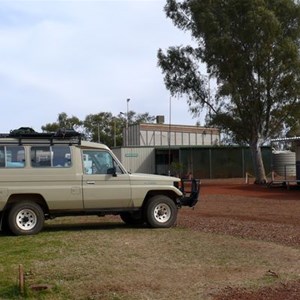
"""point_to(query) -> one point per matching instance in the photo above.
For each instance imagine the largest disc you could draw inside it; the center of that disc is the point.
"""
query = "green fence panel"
(221, 162)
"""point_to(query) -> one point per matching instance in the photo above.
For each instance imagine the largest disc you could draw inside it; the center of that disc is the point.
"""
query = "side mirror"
(112, 171)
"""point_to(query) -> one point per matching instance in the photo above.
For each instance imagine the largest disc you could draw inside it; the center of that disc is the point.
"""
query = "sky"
(84, 57)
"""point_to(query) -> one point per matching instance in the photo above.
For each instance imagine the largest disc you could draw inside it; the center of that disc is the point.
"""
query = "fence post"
(210, 164)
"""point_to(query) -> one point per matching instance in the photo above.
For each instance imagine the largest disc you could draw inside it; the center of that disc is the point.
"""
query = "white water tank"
(284, 163)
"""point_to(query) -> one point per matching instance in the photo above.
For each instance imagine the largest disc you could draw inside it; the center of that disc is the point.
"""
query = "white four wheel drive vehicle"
(46, 175)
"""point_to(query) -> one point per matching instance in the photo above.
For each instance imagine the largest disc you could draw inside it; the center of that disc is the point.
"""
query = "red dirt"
(250, 211)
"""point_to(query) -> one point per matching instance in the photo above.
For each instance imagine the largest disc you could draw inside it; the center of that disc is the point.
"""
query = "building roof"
(287, 139)
(177, 128)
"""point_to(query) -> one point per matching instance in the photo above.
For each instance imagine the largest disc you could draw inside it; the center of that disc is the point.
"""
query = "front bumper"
(191, 190)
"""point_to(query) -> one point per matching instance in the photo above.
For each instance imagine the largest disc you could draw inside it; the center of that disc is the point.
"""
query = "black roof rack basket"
(62, 136)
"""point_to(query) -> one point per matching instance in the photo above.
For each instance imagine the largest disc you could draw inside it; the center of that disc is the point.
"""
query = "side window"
(12, 157)
(2, 157)
(50, 156)
(61, 156)
(40, 156)
(98, 162)
(87, 162)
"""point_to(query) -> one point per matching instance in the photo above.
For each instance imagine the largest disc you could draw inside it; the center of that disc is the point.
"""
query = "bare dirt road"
(249, 211)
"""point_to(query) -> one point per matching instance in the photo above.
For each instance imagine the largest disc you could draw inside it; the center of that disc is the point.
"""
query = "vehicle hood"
(153, 177)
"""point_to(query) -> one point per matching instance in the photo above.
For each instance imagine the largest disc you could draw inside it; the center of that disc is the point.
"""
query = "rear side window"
(50, 156)
(12, 157)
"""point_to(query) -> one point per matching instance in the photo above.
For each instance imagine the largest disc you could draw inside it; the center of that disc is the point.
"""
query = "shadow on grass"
(10, 292)
(89, 226)
(82, 227)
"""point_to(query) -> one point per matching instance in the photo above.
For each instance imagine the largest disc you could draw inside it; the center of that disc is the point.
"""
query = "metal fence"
(221, 162)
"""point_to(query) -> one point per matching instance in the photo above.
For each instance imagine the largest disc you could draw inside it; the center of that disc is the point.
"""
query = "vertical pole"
(243, 162)
(210, 164)
(169, 139)
(115, 129)
(127, 123)
(21, 280)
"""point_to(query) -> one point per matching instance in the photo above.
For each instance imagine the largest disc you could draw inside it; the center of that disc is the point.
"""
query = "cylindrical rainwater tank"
(284, 163)
(298, 161)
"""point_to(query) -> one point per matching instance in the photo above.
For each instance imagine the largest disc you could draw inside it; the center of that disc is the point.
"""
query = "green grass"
(99, 260)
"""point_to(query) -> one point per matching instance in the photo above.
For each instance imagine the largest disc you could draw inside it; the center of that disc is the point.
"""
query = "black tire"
(161, 212)
(132, 218)
(26, 218)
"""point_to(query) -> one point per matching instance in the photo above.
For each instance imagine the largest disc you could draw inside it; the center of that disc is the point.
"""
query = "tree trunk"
(258, 164)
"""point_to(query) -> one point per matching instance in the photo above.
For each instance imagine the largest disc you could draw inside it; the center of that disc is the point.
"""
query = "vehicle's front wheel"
(26, 218)
(161, 212)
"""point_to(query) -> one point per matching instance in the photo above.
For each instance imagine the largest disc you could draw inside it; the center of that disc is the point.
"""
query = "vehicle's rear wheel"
(161, 212)
(26, 218)
(133, 218)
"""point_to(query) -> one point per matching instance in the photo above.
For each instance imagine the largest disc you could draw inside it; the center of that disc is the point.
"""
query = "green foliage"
(252, 49)
(98, 127)
(101, 127)
(140, 118)
(63, 121)
(177, 168)
(105, 128)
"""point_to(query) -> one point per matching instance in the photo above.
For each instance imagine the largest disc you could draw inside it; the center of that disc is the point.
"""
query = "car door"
(105, 184)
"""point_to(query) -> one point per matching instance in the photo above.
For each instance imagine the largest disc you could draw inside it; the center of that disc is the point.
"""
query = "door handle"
(90, 182)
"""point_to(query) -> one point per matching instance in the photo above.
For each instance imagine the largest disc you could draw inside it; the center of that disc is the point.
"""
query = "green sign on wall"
(131, 155)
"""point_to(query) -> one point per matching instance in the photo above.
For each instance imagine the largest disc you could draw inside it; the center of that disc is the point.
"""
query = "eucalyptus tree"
(251, 48)
(100, 127)
(108, 129)
(63, 122)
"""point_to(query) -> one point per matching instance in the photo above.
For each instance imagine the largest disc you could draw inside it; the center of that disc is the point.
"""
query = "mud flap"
(1, 220)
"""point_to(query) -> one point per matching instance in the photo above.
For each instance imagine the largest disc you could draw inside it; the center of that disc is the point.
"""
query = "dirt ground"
(249, 211)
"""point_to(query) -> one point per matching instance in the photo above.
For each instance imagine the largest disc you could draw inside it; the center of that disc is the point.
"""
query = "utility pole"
(115, 129)
(169, 136)
(127, 123)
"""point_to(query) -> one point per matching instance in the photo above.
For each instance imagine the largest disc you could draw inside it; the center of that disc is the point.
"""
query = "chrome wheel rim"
(26, 219)
(162, 213)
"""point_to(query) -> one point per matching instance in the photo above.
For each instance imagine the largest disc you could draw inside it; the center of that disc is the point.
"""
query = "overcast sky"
(84, 57)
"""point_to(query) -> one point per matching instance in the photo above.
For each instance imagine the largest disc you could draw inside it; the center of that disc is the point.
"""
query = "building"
(153, 147)
(201, 161)
(179, 150)
(153, 135)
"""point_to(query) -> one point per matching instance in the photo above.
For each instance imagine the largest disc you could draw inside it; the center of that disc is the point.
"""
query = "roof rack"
(23, 134)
